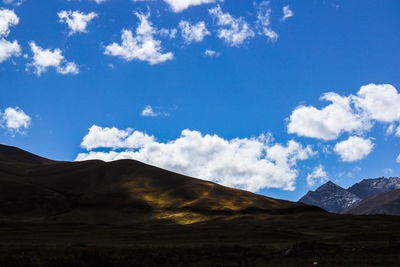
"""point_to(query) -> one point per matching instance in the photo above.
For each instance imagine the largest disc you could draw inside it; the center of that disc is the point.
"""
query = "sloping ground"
(119, 192)
(16, 155)
(385, 203)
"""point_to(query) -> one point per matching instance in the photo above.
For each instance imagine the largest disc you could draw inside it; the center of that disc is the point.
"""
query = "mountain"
(40, 190)
(16, 155)
(385, 203)
(370, 187)
(330, 197)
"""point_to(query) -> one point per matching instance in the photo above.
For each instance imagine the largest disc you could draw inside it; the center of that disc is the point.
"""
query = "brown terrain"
(127, 213)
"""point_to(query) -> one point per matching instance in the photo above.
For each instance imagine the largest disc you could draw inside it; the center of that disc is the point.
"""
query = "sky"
(275, 97)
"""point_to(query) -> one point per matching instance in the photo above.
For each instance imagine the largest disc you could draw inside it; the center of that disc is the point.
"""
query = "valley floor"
(254, 240)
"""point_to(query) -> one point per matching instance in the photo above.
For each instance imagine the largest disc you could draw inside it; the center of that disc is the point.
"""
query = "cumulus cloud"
(149, 112)
(233, 30)
(248, 163)
(211, 53)
(353, 113)
(142, 47)
(329, 122)
(387, 171)
(15, 120)
(287, 13)
(390, 129)
(46, 58)
(193, 32)
(99, 137)
(180, 5)
(317, 175)
(8, 49)
(379, 101)
(170, 33)
(264, 21)
(7, 19)
(13, 2)
(354, 148)
(398, 159)
(77, 21)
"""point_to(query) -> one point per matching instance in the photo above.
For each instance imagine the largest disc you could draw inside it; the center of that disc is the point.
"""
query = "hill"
(123, 191)
(385, 203)
(16, 155)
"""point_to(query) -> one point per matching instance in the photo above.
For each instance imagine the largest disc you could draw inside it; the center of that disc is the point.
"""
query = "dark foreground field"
(277, 240)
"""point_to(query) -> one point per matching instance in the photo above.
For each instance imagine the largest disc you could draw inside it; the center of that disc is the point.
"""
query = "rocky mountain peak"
(331, 197)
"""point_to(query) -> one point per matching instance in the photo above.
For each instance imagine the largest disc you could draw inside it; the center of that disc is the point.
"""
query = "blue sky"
(259, 87)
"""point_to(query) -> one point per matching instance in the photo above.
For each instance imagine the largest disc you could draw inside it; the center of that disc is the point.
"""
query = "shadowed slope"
(16, 155)
(122, 191)
(385, 203)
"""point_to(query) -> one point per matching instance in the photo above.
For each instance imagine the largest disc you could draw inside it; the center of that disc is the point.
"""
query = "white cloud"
(211, 53)
(114, 138)
(180, 5)
(387, 171)
(248, 163)
(46, 58)
(68, 68)
(15, 120)
(13, 2)
(193, 32)
(390, 129)
(287, 13)
(398, 159)
(379, 101)
(7, 19)
(170, 33)
(77, 21)
(397, 131)
(329, 122)
(99, 1)
(233, 30)
(142, 47)
(8, 49)
(149, 112)
(264, 21)
(353, 113)
(354, 148)
(318, 174)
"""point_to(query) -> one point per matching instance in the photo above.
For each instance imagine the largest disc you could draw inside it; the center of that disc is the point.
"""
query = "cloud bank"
(247, 163)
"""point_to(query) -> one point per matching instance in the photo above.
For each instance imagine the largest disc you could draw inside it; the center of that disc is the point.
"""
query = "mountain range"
(370, 196)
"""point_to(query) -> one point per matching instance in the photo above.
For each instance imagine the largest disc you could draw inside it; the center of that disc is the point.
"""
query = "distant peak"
(328, 184)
